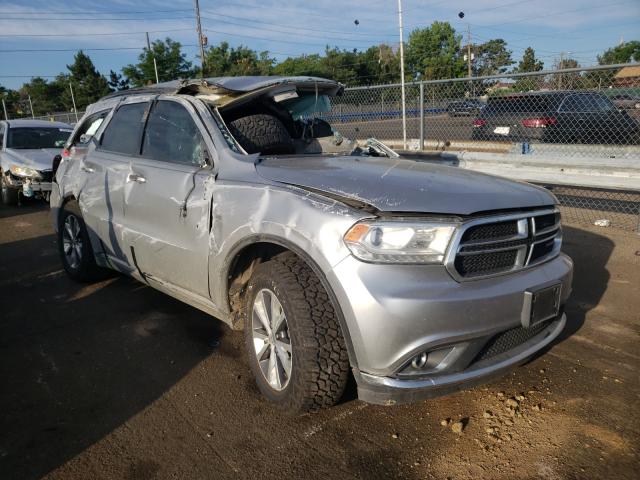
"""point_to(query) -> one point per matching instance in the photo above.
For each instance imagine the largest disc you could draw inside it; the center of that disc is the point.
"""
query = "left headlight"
(399, 241)
(19, 171)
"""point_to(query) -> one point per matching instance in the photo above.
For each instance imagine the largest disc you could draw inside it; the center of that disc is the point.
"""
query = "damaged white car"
(27, 148)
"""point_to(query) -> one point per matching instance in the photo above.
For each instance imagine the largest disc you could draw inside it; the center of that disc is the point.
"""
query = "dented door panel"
(166, 212)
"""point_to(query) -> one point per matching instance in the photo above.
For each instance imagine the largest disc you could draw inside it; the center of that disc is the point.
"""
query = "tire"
(74, 245)
(319, 363)
(10, 195)
(262, 134)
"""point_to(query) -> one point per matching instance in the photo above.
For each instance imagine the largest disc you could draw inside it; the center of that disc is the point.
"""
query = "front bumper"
(28, 185)
(395, 312)
(393, 391)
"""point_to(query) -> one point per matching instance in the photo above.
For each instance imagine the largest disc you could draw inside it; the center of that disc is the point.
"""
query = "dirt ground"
(117, 381)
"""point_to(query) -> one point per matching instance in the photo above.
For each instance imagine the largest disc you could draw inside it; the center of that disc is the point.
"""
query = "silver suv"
(332, 255)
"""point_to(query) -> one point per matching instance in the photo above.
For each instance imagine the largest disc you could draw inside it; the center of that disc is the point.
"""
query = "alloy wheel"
(271, 339)
(72, 241)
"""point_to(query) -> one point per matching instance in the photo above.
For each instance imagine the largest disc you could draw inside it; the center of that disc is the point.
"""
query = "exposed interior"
(283, 120)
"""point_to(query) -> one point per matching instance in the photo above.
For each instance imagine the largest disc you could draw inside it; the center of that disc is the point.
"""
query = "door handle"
(84, 168)
(134, 177)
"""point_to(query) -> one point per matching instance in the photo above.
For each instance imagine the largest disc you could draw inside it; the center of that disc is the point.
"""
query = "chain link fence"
(581, 113)
(596, 106)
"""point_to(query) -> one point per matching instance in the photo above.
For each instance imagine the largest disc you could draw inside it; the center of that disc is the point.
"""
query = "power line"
(343, 39)
(90, 49)
(83, 12)
(84, 19)
(270, 39)
(297, 28)
(92, 34)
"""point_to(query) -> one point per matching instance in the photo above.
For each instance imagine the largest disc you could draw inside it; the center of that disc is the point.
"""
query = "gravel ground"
(117, 381)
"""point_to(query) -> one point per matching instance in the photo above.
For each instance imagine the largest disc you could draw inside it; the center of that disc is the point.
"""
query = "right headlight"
(400, 241)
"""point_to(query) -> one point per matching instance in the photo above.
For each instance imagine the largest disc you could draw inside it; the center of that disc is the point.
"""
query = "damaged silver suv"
(334, 256)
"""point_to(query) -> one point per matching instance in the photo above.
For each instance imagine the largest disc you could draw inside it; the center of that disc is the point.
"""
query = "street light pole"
(404, 108)
(31, 107)
(155, 65)
(73, 100)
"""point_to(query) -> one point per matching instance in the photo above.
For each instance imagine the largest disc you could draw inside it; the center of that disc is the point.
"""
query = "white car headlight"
(399, 241)
(19, 171)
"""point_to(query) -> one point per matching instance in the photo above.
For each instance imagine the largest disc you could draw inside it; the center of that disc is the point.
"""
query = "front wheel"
(293, 337)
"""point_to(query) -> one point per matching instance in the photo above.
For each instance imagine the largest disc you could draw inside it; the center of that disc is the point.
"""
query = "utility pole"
(4, 107)
(31, 107)
(469, 50)
(155, 65)
(73, 100)
(200, 38)
(404, 108)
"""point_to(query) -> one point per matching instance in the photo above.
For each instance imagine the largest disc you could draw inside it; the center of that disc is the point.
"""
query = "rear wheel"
(294, 341)
(10, 195)
(74, 245)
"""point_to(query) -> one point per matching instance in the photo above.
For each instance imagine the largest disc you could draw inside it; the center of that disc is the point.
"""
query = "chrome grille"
(497, 245)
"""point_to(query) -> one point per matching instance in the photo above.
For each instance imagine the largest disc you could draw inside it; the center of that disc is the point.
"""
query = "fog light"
(419, 361)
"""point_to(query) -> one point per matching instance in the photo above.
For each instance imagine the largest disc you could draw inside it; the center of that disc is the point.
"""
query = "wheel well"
(240, 271)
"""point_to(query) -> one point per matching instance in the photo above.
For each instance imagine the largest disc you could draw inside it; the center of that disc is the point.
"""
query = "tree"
(12, 102)
(434, 52)
(45, 97)
(529, 62)
(311, 65)
(88, 84)
(567, 80)
(491, 58)
(623, 53)
(172, 64)
(116, 82)
(222, 60)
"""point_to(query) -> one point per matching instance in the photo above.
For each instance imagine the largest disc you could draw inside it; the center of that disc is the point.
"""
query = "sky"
(39, 37)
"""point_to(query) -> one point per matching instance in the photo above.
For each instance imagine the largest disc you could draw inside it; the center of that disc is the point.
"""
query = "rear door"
(103, 171)
(167, 196)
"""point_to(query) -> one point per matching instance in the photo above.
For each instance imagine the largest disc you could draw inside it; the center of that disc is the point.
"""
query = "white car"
(27, 148)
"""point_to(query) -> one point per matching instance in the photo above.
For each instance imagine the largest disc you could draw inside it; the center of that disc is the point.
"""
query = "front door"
(166, 199)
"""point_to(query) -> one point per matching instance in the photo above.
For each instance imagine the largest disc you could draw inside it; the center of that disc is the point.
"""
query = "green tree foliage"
(172, 64)
(45, 97)
(434, 52)
(222, 60)
(11, 100)
(88, 84)
(491, 58)
(623, 53)
(116, 82)
(529, 62)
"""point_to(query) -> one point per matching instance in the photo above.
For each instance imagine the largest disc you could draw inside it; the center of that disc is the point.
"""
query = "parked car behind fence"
(555, 117)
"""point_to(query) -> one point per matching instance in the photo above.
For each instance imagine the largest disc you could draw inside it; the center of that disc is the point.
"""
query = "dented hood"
(36, 158)
(401, 185)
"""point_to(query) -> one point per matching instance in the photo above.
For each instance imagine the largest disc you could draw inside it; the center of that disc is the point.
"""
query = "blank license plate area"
(501, 130)
(541, 305)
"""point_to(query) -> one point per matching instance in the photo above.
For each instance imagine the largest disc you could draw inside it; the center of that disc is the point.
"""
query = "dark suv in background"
(555, 117)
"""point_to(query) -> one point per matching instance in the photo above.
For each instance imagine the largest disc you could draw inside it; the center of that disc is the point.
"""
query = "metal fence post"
(421, 106)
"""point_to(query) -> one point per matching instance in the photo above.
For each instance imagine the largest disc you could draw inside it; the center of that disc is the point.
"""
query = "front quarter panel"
(247, 213)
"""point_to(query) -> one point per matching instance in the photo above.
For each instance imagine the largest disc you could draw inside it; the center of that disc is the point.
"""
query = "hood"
(404, 186)
(36, 158)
